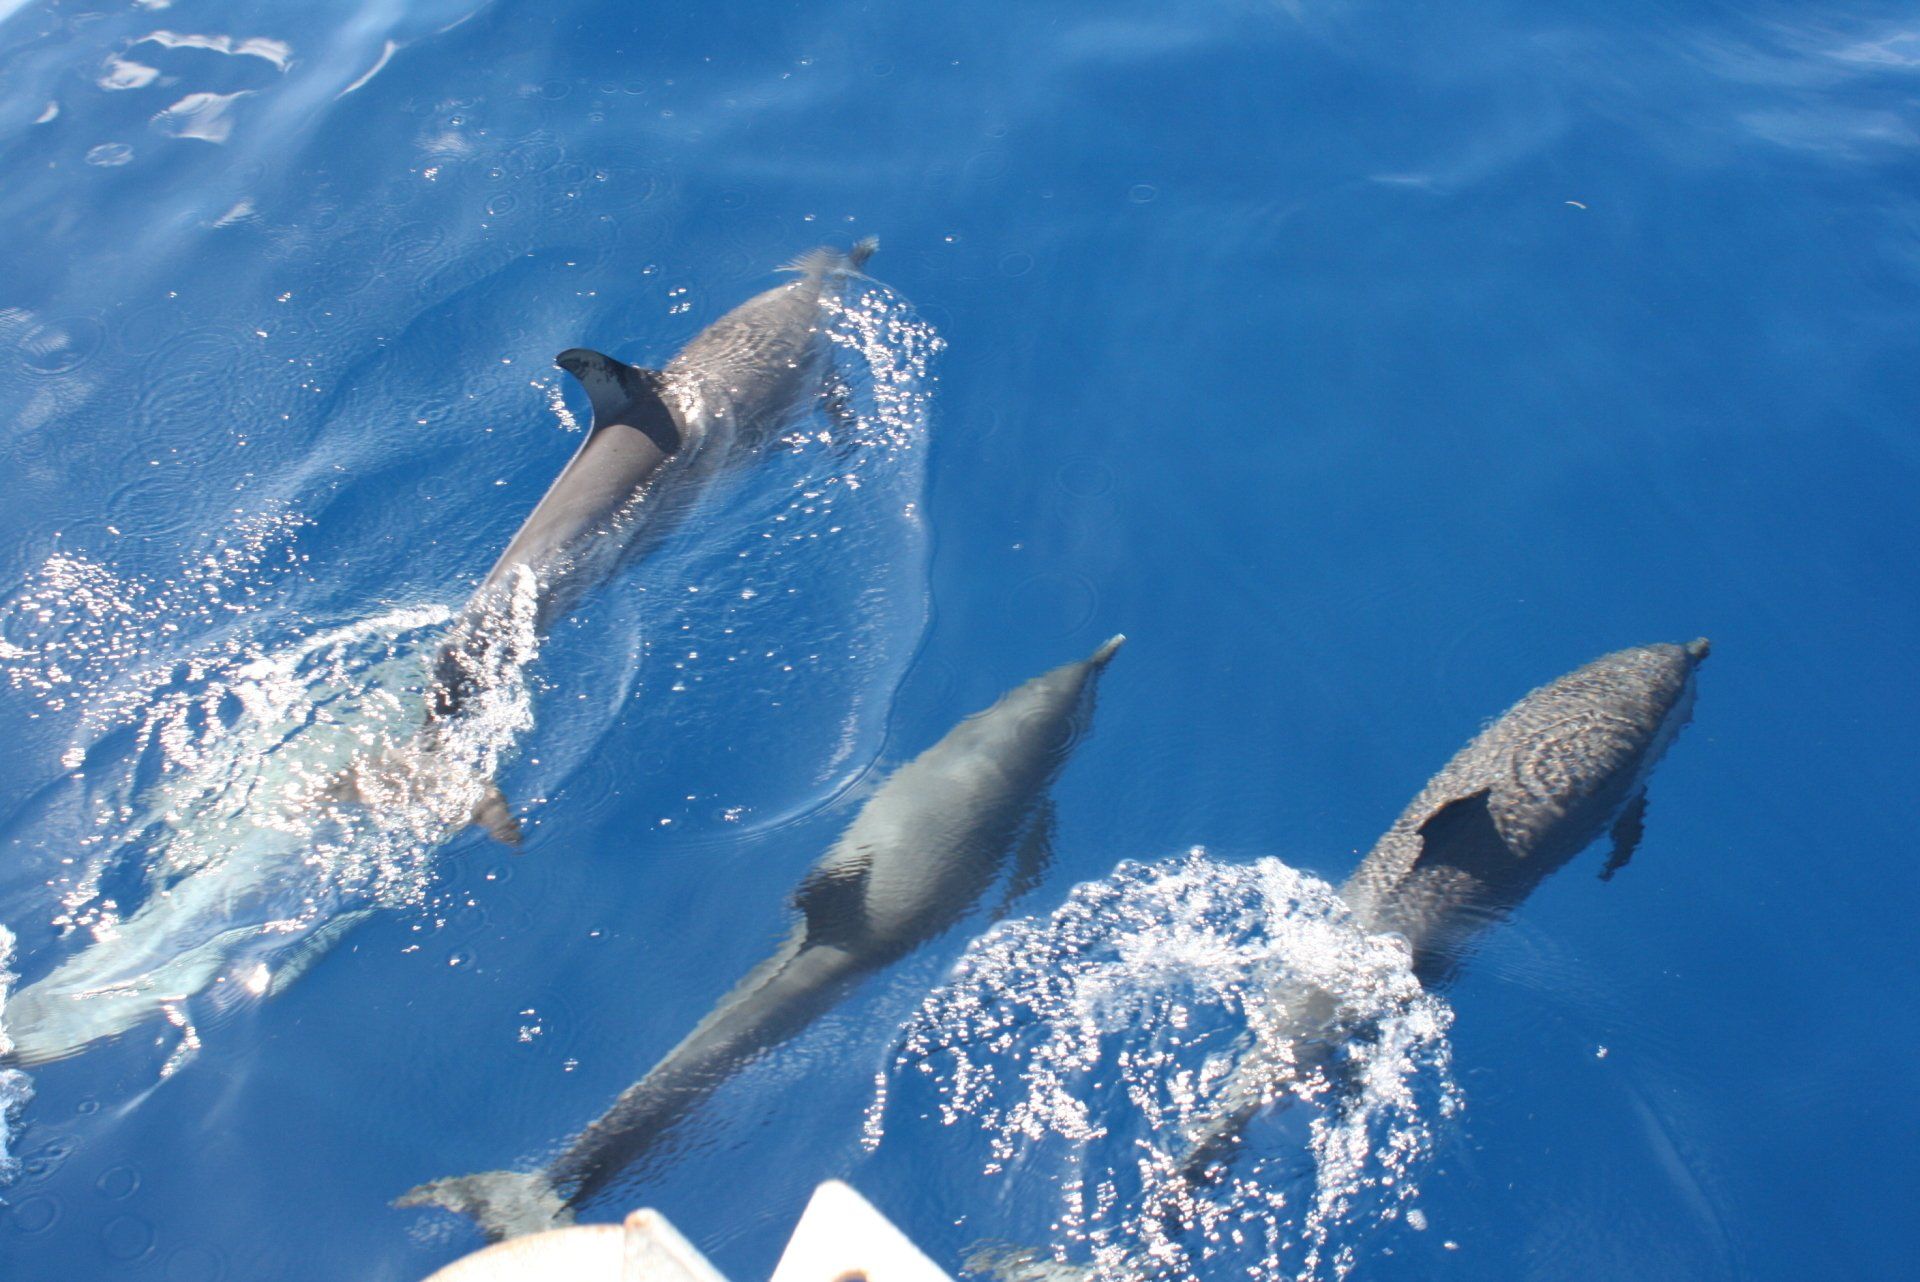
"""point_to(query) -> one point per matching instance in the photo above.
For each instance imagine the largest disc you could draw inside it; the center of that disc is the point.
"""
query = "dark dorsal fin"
(833, 899)
(1628, 829)
(622, 393)
(1462, 834)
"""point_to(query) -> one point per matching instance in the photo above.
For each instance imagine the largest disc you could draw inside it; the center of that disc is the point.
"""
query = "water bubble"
(34, 1215)
(414, 242)
(126, 1238)
(1143, 193)
(1085, 478)
(49, 1157)
(531, 157)
(61, 346)
(147, 329)
(195, 1264)
(1053, 604)
(118, 1183)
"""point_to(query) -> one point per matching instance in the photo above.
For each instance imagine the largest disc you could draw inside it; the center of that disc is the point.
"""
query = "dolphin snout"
(1699, 648)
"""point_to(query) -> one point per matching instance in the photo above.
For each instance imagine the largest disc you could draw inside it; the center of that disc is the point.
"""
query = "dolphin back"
(751, 373)
(1526, 795)
(934, 837)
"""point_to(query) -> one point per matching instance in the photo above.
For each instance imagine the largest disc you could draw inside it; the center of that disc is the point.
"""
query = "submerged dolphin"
(1564, 765)
(921, 851)
(655, 438)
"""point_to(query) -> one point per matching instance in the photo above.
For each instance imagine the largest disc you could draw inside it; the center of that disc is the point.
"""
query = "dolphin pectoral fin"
(1628, 829)
(493, 814)
(1463, 835)
(1031, 858)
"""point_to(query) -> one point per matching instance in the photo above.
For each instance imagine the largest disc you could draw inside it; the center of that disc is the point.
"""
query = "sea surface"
(1367, 365)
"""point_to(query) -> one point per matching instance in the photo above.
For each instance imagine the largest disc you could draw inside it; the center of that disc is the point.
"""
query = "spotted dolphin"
(656, 437)
(1560, 768)
(925, 847)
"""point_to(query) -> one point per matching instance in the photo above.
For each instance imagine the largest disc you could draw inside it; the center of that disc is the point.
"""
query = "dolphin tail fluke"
(494, 814)
(503, 1203)
(828, 261)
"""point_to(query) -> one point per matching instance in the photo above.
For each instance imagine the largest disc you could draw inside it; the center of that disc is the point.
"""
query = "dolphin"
(1563, 766)
(927, 845)
(655, 439)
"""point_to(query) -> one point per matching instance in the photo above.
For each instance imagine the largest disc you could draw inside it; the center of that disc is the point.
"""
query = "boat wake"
(1085, 1047)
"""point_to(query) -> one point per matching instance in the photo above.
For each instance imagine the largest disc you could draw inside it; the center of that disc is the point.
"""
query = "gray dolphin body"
(921, 852)
(739, 380)
(1564, 765)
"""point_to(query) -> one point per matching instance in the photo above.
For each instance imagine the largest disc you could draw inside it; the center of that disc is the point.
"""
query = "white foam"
(1087, 1045)
(15, 1089)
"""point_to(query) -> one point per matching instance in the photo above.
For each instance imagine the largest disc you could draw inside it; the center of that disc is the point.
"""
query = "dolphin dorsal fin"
(833, 899)
(622, 393)
(1463, 835)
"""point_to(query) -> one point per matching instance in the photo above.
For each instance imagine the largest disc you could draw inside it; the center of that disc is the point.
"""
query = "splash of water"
(14, 1088)
(1086, 1046)
(80, 634)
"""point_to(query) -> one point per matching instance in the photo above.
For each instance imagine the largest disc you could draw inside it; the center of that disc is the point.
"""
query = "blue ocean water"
(1367, 365)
